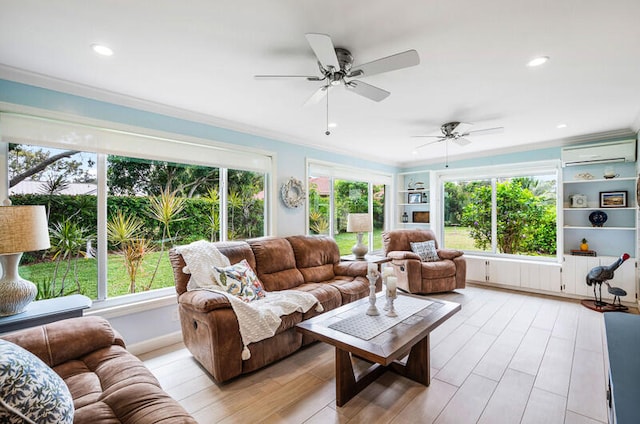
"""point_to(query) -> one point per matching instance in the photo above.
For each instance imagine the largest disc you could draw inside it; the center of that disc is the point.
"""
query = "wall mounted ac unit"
(615, 151)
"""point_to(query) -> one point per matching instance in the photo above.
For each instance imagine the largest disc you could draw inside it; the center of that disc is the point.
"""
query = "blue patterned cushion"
(30, 391)
(426, 250)
(240, 280)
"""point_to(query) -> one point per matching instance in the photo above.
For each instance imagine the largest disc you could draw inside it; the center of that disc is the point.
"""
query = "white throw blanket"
(258, 320)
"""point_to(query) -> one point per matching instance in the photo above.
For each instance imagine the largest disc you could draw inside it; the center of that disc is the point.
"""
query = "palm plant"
(134, 252)
(318, 223)
(214, 219)
(123, 231)
(164, 209)
(67, 241)
(235, 202)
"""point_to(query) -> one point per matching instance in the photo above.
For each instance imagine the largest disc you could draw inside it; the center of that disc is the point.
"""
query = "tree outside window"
(524, 213)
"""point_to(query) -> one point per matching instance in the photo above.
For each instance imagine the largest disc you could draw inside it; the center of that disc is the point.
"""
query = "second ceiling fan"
(456, 132)
(336, 68)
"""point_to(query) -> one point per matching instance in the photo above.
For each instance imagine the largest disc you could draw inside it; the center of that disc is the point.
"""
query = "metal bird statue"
(600, 274)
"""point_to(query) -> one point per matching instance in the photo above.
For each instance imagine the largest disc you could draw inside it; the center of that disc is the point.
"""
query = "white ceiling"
(201, 55)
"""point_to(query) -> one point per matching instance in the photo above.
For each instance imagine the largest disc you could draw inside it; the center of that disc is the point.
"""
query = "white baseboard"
(155, 343)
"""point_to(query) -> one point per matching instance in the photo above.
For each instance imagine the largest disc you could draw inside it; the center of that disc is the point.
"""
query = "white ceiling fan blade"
(428, 136)
(386, 64)
(322, 46)
(317, 96)
(429, 143)
(461, 141)
(307, 77)
(496, 130)
(367, 90)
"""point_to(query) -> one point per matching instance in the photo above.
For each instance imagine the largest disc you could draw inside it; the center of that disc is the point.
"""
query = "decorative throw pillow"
(30, 391)
(426, 250)
(240, 280)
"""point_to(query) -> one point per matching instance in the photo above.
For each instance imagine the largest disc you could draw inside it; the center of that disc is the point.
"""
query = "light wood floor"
(506, 357)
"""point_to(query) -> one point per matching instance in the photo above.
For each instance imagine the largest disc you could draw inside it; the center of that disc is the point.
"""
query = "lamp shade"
(23, 229)
(359, 223)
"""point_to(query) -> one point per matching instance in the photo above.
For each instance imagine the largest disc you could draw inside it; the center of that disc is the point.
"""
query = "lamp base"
(15, 293)
(359, 249)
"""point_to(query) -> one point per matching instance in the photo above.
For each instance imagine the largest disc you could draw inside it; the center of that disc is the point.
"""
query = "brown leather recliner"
(415, 276)
(107, 383)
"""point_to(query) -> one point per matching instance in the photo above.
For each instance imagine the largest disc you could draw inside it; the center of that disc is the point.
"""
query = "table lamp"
(359, 223)
(22, 229)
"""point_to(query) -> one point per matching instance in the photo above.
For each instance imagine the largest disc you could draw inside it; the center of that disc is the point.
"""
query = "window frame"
(492, 173)
(207, 153)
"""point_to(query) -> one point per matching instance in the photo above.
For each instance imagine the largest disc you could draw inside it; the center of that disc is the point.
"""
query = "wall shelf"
(600, 180)
(574, 227)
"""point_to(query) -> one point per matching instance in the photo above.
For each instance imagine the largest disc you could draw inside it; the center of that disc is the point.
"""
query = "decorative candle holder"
(372, 310)
(391, 287)
(372, 276)
(391, 312)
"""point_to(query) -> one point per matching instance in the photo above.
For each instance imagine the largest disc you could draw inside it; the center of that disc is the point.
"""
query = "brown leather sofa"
(107, 383)
(309, 263)
(415, 276)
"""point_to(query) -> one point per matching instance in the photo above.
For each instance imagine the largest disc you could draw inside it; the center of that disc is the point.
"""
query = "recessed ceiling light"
(332, 125)
(538, 61)
(561, 126)
(101, 49)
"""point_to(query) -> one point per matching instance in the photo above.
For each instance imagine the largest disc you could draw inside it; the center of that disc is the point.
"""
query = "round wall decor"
(292, 193)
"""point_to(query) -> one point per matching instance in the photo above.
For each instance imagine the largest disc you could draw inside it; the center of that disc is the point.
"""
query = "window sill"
(131, 304)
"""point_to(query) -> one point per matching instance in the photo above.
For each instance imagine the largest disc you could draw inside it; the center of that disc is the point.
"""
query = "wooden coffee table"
(384, 350)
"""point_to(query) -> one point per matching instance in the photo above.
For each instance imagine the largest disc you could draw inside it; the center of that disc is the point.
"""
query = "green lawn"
(346, 241)
(117, 279)
(458, 238)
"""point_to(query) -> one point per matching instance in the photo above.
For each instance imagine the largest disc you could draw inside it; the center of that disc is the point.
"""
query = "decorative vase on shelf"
(597, 218)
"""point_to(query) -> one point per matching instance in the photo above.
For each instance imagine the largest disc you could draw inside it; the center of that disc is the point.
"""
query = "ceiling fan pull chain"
(446, 153)
(327, 132)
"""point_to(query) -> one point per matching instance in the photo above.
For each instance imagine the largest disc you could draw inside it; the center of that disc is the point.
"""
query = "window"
(504, 214)
(113, 217)
(245, 204)
(334, 193)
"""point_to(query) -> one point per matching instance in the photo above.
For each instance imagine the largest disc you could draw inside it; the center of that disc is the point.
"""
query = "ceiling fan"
(336, 68)
(456, 132)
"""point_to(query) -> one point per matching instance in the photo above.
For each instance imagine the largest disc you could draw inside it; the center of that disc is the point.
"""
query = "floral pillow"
(426, 250)
(30, 391)
(240, 280)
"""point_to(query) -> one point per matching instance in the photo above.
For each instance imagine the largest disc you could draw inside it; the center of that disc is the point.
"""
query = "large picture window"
(113, 217)
(505, 214)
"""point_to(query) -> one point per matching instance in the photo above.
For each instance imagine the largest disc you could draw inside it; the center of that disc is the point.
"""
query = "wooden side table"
(46, 311)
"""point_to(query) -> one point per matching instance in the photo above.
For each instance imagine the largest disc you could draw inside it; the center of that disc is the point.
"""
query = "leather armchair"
(419, 277)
